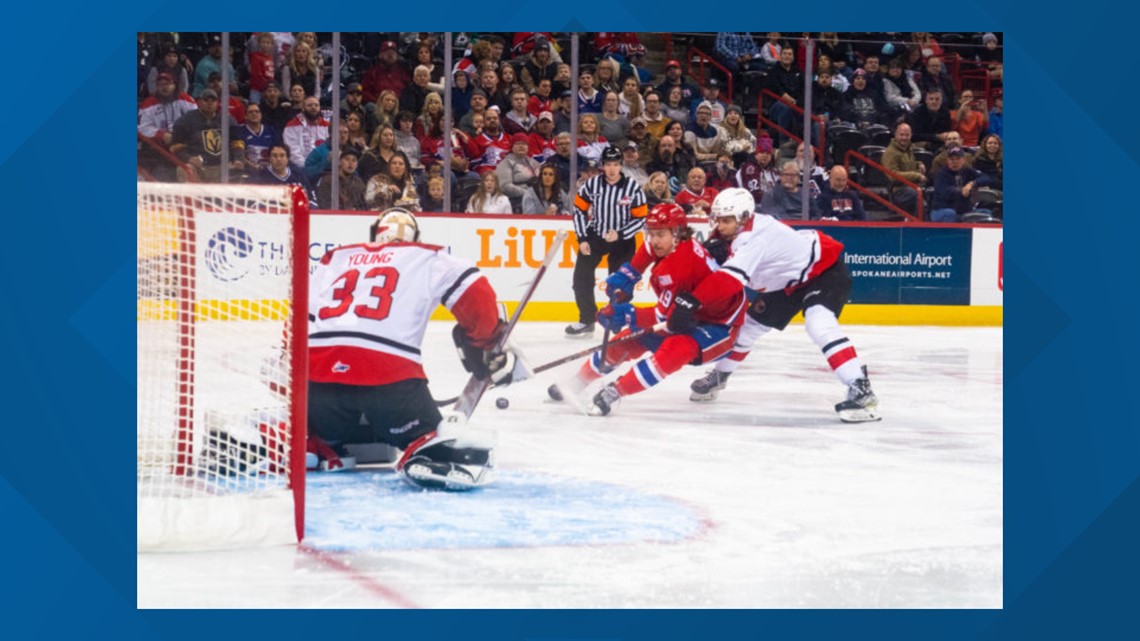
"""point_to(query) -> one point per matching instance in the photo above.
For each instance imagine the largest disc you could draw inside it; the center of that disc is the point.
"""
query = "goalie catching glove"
(502, 367)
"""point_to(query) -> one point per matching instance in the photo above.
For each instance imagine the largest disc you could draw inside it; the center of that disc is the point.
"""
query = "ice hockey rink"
(761, 499)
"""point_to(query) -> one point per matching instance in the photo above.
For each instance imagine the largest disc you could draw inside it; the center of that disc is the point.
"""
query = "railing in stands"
(952, 63)
(699, 75)
(761, 119)
(978, 80)
(191, 174)
(969, 74)
(919, 204)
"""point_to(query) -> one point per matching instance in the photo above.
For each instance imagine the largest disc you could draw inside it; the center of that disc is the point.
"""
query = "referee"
(609, 210)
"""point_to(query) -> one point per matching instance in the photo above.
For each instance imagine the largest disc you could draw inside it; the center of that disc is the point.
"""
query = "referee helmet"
(611, 154)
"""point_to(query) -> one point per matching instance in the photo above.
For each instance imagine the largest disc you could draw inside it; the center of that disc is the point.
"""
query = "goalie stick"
(466, 402)
(575, 356)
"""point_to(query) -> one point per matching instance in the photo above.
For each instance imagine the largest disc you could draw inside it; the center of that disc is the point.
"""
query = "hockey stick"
(575, 356)
(475, 388)
(605, 345)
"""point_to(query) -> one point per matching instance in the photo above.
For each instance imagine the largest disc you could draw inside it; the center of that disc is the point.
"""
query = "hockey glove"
(684, 315)
(616, 316)
(480, 362)
(620, 284)
(718, 249)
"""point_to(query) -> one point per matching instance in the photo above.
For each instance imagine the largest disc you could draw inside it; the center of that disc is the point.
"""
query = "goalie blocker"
(369, 308)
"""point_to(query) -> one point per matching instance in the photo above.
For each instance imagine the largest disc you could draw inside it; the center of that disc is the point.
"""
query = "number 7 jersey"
(369, 305)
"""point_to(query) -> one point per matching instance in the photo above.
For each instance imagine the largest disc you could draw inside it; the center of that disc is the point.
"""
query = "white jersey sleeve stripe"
(812, 257)
(737, 273)
(445, 299)
(460, 287)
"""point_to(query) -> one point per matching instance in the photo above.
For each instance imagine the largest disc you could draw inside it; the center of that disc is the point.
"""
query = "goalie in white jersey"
(792, 271)
(369, 306)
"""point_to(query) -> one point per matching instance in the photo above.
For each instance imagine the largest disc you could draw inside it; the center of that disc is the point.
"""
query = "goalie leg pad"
(459, 461)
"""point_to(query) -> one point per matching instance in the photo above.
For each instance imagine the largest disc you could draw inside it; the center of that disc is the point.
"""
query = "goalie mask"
(733, 202)
(395, 224)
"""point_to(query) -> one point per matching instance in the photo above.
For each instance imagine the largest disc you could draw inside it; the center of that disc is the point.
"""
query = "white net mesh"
(215, 357)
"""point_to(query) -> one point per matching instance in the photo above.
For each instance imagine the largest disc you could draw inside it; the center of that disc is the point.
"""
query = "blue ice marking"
(376, 510)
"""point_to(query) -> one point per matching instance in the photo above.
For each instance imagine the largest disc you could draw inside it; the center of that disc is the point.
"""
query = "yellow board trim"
(951, 315)
(238, 309)
(948, 315)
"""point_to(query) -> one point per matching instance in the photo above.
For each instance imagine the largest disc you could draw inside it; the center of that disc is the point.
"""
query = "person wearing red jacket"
(389, 73)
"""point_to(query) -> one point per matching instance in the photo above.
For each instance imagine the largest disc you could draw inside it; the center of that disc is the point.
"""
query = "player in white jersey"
(369, 305)
(792, 271)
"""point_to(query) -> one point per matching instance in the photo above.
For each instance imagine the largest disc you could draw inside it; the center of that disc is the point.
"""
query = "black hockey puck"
(502, 403)
(554, 393)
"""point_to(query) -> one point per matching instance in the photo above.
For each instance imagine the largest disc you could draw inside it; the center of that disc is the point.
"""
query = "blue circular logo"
(228, 254)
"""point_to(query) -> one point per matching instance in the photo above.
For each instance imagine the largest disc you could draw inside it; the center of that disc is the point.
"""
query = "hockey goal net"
(222, 284)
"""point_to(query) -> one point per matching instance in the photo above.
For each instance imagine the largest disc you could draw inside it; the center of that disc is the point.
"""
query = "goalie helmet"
(395, 224)
(735, 202)
(666, 216)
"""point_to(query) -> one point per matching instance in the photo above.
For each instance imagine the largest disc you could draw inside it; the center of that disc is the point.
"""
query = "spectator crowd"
(891, 97)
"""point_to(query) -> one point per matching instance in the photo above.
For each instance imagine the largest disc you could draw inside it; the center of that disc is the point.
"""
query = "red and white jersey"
(772, 255)
(542, 148)
(303, 137)
(688, 198)
(681, 271)
(593, 150)
(369, 306)
(157, 117)
(487, 152)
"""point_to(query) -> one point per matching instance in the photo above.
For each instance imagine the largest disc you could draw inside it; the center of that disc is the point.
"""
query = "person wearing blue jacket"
(953, 186)
(837, 200)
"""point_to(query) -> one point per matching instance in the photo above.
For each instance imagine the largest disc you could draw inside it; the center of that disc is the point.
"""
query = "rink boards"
(912, 274)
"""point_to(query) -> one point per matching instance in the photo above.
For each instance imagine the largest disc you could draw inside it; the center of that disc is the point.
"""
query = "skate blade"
(582, 336)
(859, 415)
(697, 397)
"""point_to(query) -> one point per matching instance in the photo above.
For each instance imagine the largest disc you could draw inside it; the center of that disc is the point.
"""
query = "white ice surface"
(777, 504)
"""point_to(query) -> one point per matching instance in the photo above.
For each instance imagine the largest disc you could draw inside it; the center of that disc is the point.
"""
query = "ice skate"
(708, 387)
(861, 405)
(605, 401)
(580, 330)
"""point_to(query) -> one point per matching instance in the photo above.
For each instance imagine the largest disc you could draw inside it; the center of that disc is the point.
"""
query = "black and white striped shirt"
(600, 207)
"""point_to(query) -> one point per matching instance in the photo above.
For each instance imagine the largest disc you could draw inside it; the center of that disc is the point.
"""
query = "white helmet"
(735, 202)
(396, 224)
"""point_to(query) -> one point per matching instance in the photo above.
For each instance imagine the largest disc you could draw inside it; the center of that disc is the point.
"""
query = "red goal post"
(222, 357)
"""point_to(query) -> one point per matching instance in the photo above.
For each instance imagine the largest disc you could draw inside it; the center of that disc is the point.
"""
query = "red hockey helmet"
(666, 216)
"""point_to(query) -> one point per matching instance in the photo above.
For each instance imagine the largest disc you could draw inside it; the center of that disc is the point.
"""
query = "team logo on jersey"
(228, 254)
(212, 141)
(340, 368)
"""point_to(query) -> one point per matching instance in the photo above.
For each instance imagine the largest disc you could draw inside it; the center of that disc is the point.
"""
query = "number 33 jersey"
(369, 305)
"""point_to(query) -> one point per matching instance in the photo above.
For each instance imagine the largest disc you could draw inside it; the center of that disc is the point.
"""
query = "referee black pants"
(619, 252)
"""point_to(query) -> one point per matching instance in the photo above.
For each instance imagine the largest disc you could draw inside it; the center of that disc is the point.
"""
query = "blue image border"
(1071, 462)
